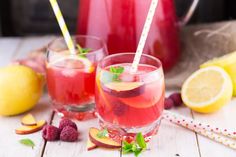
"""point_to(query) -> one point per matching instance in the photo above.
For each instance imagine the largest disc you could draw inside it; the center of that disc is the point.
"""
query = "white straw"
(144, 35)
(188, 124)
(200, 125)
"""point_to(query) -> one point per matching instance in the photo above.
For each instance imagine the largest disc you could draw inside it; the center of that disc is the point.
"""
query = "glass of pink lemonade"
(128, 103)
(71, 78)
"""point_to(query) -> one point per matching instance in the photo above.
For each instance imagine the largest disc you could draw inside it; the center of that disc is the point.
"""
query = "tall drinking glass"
(71, 78)
(128, 103)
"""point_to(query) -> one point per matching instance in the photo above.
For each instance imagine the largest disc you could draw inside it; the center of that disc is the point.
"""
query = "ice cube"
(69, 72)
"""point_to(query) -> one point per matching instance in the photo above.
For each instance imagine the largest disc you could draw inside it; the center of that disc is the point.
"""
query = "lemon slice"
(73, 62)
(228, 62)
(207, 89)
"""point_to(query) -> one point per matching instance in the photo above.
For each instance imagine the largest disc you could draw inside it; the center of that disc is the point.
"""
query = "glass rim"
(160, 68)
(61, 38)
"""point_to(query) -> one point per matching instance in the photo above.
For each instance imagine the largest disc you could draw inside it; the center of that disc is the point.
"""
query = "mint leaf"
(135, 147)
(140, 141)
(115, 77)
(113, 69)
(103, 133)
(27, 142)
(137, 152)
(127, 147)
(131, 148)
(117, 71)
(83, 51)
(120, 70)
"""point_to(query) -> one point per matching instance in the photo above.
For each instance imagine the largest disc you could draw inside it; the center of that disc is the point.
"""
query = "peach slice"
(28, 120)
(124, 89)
(98, 83)
(30, 129)
(104, 142)
(153, 94)
(90, 145)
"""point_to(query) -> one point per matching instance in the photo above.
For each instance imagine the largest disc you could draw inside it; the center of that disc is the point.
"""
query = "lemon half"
(228, 63)
(207, 89)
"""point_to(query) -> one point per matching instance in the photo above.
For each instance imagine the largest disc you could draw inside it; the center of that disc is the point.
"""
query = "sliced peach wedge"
(30, 129)
(28, 120)
(90, 145)
(104, 142)
(124, 89)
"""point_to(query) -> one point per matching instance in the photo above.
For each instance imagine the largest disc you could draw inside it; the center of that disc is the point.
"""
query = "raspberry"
(69, 134)
(119, 108)
(67, 122)
(176, 97)
(50, 133)
(169, 103)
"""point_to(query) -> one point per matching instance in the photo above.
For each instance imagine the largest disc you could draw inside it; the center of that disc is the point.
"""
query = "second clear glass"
(128, 103)
(71, 78)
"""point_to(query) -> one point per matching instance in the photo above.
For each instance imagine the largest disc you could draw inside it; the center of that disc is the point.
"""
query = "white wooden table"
(171, 140)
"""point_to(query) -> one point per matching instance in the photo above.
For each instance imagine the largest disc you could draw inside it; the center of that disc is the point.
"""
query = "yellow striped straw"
(63, 26)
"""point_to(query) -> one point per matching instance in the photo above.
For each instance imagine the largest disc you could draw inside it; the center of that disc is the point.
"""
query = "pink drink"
(131, 102)
(71, 78)
(120, 23)
(140, 103)
(69, 82)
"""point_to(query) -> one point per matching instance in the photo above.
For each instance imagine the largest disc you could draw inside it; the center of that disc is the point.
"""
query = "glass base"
(118, 133)
(73, 111)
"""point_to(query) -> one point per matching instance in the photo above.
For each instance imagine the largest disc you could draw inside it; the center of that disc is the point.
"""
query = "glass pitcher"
(120, 23)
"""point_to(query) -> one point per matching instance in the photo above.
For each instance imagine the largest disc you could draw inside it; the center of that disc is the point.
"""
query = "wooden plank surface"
(171, 140)
(9, 141)
(159, 146)
(61, 149)
(224, 118)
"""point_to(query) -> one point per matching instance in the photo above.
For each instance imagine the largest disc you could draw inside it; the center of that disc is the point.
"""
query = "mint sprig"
(103, 133)
(27, 142)
(117, 71)
(83, 51)
(136, 147)
(141, 141)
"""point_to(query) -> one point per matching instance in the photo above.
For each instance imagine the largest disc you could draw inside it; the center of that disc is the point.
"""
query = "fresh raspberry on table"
(67, 122)
(176, 97)
(50, 133)
(119, 108)
(69, 134)
(169, 103)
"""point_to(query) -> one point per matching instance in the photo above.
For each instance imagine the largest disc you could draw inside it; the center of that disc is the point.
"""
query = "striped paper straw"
(144, 35)
(211, 135)
(63, 26)
(195, 124)
(215, 137)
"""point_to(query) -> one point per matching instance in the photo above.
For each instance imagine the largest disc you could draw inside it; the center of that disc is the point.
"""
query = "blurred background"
(35, 17)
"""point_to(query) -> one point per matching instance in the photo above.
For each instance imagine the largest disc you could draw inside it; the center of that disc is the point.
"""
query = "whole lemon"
(20, 89)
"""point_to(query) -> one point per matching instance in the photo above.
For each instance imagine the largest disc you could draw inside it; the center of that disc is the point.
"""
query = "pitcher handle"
(189, 13)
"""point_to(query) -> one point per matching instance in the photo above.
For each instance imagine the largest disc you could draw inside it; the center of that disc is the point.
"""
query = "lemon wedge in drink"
(207, 89)
(73, 62)
(228, 63)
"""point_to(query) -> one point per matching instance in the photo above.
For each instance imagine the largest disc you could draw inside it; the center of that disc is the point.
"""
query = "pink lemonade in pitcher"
(129, 101)
(120, 23)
